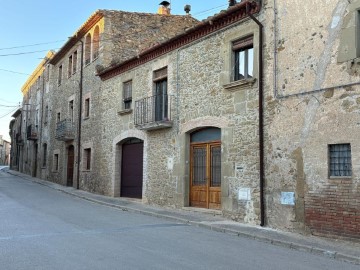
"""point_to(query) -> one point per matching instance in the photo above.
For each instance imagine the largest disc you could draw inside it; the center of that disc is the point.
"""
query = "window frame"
(87, 108)
(127, 95)
(44, 156)
(56, 162)
(244, 45)
(87, 159)
(60, 74)
(70, 65)
(342, 165)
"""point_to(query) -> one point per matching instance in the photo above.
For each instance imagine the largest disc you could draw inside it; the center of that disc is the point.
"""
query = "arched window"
(96, 42)
(88, 49)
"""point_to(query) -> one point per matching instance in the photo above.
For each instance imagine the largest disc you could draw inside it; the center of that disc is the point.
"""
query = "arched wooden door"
(205, 168)
(132, 169)
(70, 166)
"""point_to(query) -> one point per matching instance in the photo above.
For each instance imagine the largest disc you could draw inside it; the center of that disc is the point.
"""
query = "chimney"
(164, 8)
(232, 3)
(187, 9)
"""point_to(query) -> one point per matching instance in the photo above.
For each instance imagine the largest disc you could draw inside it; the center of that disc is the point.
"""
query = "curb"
(290, 245)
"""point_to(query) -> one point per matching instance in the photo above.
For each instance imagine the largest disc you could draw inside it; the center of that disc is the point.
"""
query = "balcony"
(31, 133)
(65, 130)
(153, 112)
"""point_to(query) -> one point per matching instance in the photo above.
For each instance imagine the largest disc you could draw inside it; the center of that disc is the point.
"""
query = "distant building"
(4, 152)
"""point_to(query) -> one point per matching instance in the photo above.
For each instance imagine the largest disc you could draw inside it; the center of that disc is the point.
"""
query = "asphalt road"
(41, 228)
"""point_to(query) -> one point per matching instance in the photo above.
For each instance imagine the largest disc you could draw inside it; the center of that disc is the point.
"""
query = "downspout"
(261, 115)
(80, 111)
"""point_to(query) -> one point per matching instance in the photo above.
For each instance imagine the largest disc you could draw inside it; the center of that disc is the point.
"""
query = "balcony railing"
(31, 133)
(153, 112)
(65, 130)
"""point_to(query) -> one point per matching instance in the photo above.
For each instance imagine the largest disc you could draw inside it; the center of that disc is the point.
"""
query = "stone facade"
(312, 103)
(4, 152)
(311, 107)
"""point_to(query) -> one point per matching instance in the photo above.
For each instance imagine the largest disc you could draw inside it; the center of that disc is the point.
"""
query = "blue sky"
(27, 23)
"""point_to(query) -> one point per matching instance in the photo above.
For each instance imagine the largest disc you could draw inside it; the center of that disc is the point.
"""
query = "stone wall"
(310, 105)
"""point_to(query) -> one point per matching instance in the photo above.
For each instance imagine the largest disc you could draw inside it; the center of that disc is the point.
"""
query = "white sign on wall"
(288, 198)
(244, 194)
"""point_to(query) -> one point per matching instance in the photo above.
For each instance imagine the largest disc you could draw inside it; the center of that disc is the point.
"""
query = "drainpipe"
(261, 115)
(80, 111)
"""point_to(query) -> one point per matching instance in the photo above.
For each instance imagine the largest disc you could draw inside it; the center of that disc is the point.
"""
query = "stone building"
(16, 139)
(253, 112)
(312, 116)
(4, 152)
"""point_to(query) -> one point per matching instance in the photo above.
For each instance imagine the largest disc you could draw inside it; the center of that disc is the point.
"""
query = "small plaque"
(244, 194)
(288, 198)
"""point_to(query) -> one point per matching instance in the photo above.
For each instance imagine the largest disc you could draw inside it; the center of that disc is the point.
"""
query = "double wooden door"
(205, 180)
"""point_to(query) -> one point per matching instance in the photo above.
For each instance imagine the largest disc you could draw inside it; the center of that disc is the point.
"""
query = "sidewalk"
(336, 249)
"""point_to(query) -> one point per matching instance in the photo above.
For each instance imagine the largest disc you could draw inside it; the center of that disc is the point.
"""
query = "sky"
(31, 28)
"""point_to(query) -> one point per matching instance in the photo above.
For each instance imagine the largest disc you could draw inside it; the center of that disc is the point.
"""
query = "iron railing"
(153, 112)
(31, 133)
(65, 130)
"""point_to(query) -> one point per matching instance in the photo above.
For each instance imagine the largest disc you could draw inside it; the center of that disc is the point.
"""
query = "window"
(47, 73)
(58, 117)
(46, 114)
(161, 98)
(87, 108)
(70, 64)
(340, 160)
(88, 49)
(56, 162)
(243, 59)
(127, 95)
(96, 40)
(87, 158)
(74, 62)
(71, 110)
(38, 83)
(44, 155)
(60, 75)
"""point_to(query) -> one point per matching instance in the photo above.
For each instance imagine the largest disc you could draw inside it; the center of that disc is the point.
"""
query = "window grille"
(340, 160)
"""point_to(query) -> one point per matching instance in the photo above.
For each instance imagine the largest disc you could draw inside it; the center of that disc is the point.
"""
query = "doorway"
(205, 168)
(132, 168)
(70, 166)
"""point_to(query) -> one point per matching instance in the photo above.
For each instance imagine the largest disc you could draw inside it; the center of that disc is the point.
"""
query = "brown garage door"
(132, 169)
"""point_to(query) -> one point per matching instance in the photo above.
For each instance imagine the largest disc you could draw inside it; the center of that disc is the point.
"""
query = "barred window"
(340, 160)
(127, 95)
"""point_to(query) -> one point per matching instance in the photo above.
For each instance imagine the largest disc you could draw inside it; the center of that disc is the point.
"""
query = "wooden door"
(70, 166)
(132, 170)
(205, 180)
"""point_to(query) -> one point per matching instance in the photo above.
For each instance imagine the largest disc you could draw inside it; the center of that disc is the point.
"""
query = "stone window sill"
(125, 111)
(340, 177)
(240, 85)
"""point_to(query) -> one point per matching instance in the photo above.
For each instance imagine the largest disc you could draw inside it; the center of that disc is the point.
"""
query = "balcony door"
(205, 169)
(161, 100)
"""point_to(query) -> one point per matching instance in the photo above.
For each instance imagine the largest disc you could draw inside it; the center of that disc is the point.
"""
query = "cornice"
(209, 26)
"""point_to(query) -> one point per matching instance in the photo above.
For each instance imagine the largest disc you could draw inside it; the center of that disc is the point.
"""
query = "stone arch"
(207, 121)
(117, 154)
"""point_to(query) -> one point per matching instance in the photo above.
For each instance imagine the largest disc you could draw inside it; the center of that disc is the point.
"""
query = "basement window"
(340, 160)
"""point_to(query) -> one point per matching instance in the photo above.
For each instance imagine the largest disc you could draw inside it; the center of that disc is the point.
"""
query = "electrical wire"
(208, 10)
(21, 53)
(6, 114)
(11, 71)
(31, 45)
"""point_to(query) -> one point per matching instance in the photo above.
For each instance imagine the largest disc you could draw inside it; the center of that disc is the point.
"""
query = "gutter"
(261, 115)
